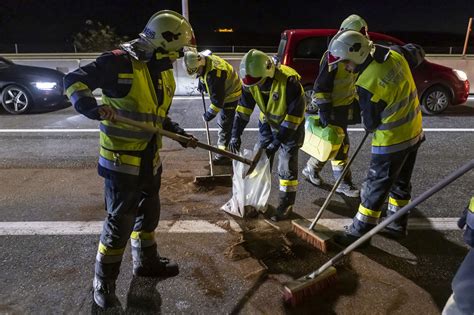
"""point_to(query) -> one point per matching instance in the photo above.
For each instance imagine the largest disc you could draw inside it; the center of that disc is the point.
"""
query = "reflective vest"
(392, 82)
(140, 104)
(274, 111)
(344, 90)
(233, 87)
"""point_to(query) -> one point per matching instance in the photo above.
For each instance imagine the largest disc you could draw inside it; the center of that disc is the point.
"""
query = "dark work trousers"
(225, 121)
(129, 208)
(461, 301)
(287, 162)
(388, 175)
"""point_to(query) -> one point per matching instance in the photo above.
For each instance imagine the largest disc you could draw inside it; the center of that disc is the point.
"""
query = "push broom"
(296, 291)
(224, 179)
(319, 238)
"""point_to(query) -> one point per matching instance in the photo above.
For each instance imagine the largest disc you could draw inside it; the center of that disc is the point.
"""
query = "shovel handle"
(180, 138)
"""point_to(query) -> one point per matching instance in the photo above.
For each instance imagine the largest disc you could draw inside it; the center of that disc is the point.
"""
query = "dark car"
(438, 86)
(30, 89)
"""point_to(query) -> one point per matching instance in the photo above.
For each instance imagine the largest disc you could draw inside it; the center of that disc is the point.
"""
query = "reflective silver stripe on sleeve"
(124, 81)
(289, 125)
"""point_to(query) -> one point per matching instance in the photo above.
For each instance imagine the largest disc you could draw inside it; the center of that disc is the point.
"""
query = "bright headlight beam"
(45, 85)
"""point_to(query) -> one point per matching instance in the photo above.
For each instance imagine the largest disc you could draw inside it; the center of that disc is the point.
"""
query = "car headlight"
(460, 74)
(45, 86)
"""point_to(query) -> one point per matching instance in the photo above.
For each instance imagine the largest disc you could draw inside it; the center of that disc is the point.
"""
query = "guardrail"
(185, 85)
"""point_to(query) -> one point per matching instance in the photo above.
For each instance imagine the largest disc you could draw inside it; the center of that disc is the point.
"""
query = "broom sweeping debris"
(295, 292)
(322, 235)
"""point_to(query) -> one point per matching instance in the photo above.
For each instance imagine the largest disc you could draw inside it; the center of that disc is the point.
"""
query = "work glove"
(468, 232)
(191, 143)
(234, 145)
(106, 113)
(208, 116)
(271, 149)
(324, 117)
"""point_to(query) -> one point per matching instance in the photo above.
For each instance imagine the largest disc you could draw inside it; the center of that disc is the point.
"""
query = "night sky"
(255, 22)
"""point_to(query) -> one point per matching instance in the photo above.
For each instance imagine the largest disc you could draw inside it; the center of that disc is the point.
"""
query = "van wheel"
(435, 100)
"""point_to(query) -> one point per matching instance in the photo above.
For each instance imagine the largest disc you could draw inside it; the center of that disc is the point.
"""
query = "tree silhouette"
(97, 37)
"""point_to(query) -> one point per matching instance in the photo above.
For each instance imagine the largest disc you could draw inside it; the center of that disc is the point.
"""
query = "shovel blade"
(255, 161)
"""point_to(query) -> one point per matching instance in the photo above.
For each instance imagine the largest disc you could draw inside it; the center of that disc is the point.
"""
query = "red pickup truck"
(438, 86)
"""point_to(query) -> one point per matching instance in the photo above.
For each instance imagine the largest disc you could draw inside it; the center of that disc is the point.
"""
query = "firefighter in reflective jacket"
(218, 78)
(137, 82)
(334, 100)
(390, 109)
(461, 301)
(277, 91)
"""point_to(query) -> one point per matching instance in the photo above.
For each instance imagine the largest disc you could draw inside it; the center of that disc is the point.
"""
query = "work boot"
(282, 213)
(221, 160)
(312, 176)
(104, 293)
(348, 189)
(397, 229)
(348, 237)
(157, 267)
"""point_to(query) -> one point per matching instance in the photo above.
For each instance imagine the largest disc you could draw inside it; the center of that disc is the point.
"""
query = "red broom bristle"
(298, 293)
(309, 238)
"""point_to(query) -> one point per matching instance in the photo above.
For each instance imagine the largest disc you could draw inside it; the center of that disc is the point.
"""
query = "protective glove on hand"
(106, 113)
(324, 117)
(191, 141)
(234, 145)
(208, 116)
(271, 149)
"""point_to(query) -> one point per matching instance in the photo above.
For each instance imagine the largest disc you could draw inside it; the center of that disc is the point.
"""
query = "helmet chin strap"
(173, 55)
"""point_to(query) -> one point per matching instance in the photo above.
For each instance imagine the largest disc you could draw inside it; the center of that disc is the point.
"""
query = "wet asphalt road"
(50, 176)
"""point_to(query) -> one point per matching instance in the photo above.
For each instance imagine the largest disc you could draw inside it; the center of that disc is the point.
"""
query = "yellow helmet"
(168, 30)
(349, 45)
(354, 23)
(193, 60)
(255, 67)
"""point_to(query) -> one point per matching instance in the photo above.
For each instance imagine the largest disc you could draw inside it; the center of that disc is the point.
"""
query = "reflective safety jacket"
(283, 111)
(391, 82)
(136, 90)
(335, 91)
(222, 83)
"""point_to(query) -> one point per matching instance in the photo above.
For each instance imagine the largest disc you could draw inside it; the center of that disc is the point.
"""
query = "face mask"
(139, 49)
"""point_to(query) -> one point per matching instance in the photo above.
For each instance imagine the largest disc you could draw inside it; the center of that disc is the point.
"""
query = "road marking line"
(188, 226)
(58, 130)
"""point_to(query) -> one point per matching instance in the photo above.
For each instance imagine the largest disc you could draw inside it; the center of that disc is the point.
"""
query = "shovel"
(180, 138)
(212, 179)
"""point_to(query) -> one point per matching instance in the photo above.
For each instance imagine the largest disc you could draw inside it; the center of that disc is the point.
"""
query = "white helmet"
(193, 61)
(349, 45)
(354, 23)
(255, 67)
(168, 30)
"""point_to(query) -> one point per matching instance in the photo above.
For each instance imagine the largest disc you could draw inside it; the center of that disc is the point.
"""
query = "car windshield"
(4, 62)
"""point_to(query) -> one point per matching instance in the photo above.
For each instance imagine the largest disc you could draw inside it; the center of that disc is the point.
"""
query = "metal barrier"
(185, 85)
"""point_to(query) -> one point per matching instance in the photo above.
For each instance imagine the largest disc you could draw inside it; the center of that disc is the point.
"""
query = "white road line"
(58, 130)
(189, 226)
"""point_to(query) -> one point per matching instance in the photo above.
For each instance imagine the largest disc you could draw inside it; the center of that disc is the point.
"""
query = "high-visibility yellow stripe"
(244, 110)
(124, 158)
(142, 235)
(339, 163)
(215, 108)
(323, 95)
(370, 213)
(125, 75)
(104, 250)
(398, 202)
(78, 86)
(218, 73)
(471, 205)
(286, 182)
(294, 119)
